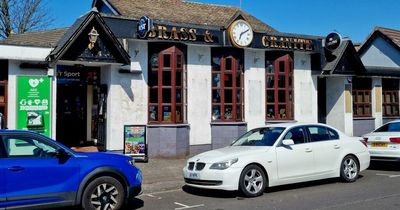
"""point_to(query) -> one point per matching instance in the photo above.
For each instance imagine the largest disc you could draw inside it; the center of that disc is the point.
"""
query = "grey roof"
(338, 53)
(346, 60)
(187, 12)
(36, 39)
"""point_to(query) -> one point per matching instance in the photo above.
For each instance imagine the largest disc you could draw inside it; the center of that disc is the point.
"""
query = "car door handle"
(16, 168)
(336, 146)
(308, 150)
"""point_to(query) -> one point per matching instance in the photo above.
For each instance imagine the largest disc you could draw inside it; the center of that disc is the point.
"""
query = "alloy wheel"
(350, 168)
(253, 181)
(104, 197)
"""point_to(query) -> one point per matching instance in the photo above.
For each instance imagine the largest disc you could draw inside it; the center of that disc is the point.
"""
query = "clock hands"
(240, 36)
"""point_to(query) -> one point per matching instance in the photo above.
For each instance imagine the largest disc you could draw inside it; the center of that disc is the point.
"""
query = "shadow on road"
(210, 193)
(134, 203)
(238, 195)
(384, 166)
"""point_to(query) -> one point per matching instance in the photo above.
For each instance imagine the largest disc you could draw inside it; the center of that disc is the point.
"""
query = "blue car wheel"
(103, 193)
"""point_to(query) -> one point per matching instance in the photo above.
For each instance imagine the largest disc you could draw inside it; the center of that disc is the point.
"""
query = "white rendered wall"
(127, 95)
(254, 88)
(199, 94)
(24, 53)
(381, 53)
(13, 71)
(335, 105)
(305, 90)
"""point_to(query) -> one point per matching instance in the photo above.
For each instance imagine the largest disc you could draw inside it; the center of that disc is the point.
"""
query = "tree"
(20, 16)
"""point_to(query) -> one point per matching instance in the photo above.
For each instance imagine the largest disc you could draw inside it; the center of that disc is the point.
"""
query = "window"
(297, 135)
(227, 85)
(167, 86)
(319, 133)
(22, 146)
(390, 94)
(279, 86)
(362, 97)
(389, 127)
(259, 137)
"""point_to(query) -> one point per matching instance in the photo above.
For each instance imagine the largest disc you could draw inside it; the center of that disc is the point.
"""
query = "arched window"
(227, 85)
(279, 87)
(166, 86)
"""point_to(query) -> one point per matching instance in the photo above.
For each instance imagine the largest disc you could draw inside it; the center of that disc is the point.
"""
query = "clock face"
(241, 33)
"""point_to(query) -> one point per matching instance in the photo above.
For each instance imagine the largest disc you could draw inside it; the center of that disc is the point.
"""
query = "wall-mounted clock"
(240, 33)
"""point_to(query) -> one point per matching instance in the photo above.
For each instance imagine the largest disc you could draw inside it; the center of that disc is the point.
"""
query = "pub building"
(195, 76)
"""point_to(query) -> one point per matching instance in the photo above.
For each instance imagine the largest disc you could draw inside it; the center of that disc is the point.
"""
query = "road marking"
(389, 175)
(160, 192)
(186, 206)
(152, 196)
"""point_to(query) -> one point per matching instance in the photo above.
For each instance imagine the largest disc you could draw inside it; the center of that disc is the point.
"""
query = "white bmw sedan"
(384, 142)
(278, 154)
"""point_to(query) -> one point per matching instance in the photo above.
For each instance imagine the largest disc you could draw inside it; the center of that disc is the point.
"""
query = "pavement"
(160, 174)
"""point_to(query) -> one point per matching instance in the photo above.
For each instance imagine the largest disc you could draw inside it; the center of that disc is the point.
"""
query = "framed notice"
(34, 104)
(135, 141)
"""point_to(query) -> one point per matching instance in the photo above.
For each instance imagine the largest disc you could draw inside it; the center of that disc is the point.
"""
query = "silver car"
(384, 142)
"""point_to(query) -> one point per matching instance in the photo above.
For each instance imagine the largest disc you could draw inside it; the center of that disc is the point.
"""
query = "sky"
(355, 19)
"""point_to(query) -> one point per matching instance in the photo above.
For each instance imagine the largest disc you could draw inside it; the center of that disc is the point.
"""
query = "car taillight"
(365, 143)
(365, 139)
(395, 140)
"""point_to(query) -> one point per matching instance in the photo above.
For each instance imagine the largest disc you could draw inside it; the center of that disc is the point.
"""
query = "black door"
(71, 114)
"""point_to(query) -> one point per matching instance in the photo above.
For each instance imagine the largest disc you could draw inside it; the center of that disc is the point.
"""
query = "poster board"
(34, 104)
(135, 143)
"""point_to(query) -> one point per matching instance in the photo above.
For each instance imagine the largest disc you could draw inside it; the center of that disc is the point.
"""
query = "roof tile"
(37, 39)
(179, 11)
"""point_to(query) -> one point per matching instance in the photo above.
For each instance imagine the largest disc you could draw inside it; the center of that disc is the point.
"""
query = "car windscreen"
(259, 137)
(390, 127)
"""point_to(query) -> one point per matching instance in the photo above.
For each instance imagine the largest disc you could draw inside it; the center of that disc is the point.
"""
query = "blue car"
(38, 172)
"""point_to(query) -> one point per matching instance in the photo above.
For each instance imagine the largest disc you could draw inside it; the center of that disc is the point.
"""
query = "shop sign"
(174, 33)
(34, 104)
(288, 43)
(135, 140)
(71, 75)
(333, 41)
(145, 25)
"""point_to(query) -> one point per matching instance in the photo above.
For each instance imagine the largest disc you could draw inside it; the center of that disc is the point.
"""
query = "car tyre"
(349, 169)
(252, 181)
(105, 192)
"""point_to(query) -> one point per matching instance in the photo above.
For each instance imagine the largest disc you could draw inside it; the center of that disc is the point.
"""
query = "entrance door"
(71, 114)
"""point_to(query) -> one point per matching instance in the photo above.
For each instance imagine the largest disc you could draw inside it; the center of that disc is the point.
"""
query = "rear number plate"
(379, 144)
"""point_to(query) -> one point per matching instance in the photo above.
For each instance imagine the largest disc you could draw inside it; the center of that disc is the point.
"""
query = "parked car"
(384, 142)
(38, 172)
(278, 154)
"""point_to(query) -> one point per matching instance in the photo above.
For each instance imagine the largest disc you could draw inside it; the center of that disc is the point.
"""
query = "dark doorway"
(71, 114)
(321, 99)
(81, 107)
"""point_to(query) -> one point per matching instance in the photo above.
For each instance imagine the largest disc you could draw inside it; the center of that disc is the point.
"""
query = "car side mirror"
(62, 154)
(288, 142)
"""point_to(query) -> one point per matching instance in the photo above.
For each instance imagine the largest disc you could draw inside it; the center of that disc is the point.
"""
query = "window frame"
(362, 89)
(175, 67)
(288, 88)
(390, 87)
(237, 74)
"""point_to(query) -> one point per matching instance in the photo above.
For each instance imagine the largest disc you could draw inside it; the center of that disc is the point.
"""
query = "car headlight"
(224, 164)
